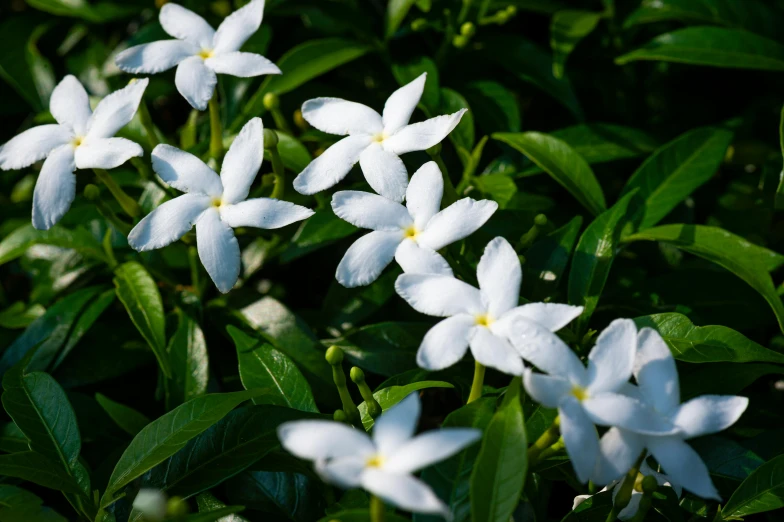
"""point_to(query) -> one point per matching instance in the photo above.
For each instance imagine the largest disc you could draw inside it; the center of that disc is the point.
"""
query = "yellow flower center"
(579, 393)
(205, 53)
(484, 320)
(411, 232)
(216, 202)
(77, 141)
(378, 138)
(376, 461)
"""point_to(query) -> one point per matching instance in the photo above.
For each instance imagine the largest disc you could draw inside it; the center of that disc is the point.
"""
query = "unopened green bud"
(177, 508)
(271, 101)
(299, 121)
(540, 220)
(649, 484)
(340, 416)
(511, 10)
(357, 375)
(92, 192)
(270, 139)
(468, 29)
(419, 24)
(459, 41)
(334, 355)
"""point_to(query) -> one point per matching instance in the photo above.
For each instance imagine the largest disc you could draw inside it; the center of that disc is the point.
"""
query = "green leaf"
(262, 367)
(677, 169)
(20, 240)
(546, 260)
(208, 503)
(34, 467)
(20, 316)
(299, 65)
(499, 187)
(130, 420)
(746, 260)
(360, 515)
(407, 72)
(385, 348)
(463, 135)
(396, 13)
(593, 509)
(21, 64)
(91, 313)
(705, 344)
(722, 378)
(565, 166)
(388, 397)
(293, 153)
(166, 435)
(502, 464)
(18, 505)
(594, 256)
(187, 352)
(495, 107)
(216, 515)
(139, 293)
(321, 229)
(711, 46)
(297, 497)
(12, 440)
(99, 12)
(779, 198)
(567, 28)
(344, 307)
(762, 491)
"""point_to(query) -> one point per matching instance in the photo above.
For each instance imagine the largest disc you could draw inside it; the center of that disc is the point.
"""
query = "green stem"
(377, 511)
(188, 134)
(476, 385)
(149, 126)
(527, 239)
(193, 259)
(547, 439)
(108, 250)
(127, 203)
(216, 129)
(280, 120)
(334, 357)
(552, 450)
(279, 172)
(625, 492)
(450, 194)
(373, 407)
(649, 487)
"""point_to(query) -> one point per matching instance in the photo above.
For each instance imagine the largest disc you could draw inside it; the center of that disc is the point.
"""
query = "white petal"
(613, 409)
(366, 210)
(499, 276)
(242, 162)
(547, 351)
(344, 472)
(421, 136)
(495, 352)
(338, 116)
(457, 221)
(402, 491)
(618, 451)
(579, 499)
(263, 213)
(552, 316)
(151, 503)
(655, 371)
(545, 389)
(242, 65)
(397, 425)
(55, 189)
(323, 439)
(414, 259)
(424, 192)
(185, 172)
(611, 361)
(429, 448)
(70, 105)
(683, 465)
(332, 166)
(401, 104)
(446, 343)
(116, 110)
(580, 438)
(367, 258)
(385, 172)
(218, 249)
(169, 222)
(155, 57)
(632, 507)
(709, 414)
(438, 295)
(184, 24)
(195, 81)
(106, 153)
(32, 145)
(238, 27)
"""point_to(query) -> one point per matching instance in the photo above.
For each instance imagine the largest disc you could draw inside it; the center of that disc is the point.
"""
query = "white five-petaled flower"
(383, 464)
(375, 141)
(411, 233)
(633, 506)
(199, 51)
(657, 385)
(586, 396)
(215, 204)
(81, 139)
(479, 318)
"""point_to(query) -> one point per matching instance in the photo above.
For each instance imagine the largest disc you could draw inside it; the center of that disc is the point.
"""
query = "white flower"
(375, 141)
(631, 508)
(215, 204)
(585, 397)
(383, 464)
(657, 380)
(199, 51)
(411, 233)
(81, 139)
(151, 503)
(479, 318)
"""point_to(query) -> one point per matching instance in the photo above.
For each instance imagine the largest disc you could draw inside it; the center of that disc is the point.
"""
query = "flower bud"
(418, 25)
(334, 355)
(468, 29)
(270, 139)
(271, 101)
(177, 507)
(459, 41)
(151, 503)
(540, 220)
(649, 484)
(92, 192)
(357, 375)
(340, 416)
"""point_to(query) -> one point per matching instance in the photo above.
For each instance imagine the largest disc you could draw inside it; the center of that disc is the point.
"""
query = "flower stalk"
(649, 487)
(527, 239)
(149, 127)
(272, 104)
(334, 357)
(625, 492)
(377, 512)
(279, 171)
(545, 441)
(127, 203)
(216, 128)
(358, 377)
(478, 382)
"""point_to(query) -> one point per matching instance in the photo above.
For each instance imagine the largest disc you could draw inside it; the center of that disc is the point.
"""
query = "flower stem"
(216, 128)
(127, 203)
(377, 512)
(271, 144)
(476, 385)
(625, 492)
(188, 133)
(649, 487)
(373, 407)
(540, 221)
(334, 357)
(149, 126)
(450, 194)
(547, 439)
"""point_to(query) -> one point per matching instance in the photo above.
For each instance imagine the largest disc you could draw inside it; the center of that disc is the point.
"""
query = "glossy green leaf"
(677, 169)
(21, 65)
(746, 260)
(187, 351)
(264, 368)
(216, 515)
(567, 28)
(318, 231)
(495, 106)
(34, 467)
(388, 397)
(20, 316)
(20, 240)
(499, 187)
(705, 344)
(407, 72)
(359, 515)
(385, 348)
(762, 491)
(711, 46)
(463, 135)
(98, 12)
(139, 293)
(294, 496)
(130, 420)
(19, 505)
(546, 260)
(344, 307)
(12, 440)
(166, 435)
(208, 503)
(396, 13)
(502, 463)
(561, 162)
(722, 378)
(779, 197)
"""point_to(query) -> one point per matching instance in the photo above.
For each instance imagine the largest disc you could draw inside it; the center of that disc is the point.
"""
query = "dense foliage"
(633, 148)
